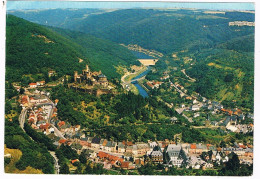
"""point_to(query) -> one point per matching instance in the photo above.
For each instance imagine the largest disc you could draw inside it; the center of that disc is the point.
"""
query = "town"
(41, 114)
(160, 90)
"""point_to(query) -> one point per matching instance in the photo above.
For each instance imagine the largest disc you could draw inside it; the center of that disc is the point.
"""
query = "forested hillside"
(34, 49)
(102, 54)
(55, 17)
(226, 74)
(163, 30)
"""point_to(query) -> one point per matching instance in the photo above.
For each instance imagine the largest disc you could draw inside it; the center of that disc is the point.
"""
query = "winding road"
(191, 79)
(56, 131)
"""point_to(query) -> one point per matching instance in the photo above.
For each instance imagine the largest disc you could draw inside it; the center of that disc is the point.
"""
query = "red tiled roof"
(102, 154)
(39, 118)
(121, 160)
(125, 165)
(138, 161)
(61, 123)
(62, 141)
(218, 149)
(149, 84)
(129, 143)
(249, 146)
(113, 162)
(75, 160)
(193, 146)
(32, 84)
(104, 142)
(230, 112)
(46, 126)
(242, 146)
(24, 99)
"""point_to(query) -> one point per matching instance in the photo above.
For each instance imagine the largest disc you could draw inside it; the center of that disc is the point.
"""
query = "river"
(141, 55)
(142, 91)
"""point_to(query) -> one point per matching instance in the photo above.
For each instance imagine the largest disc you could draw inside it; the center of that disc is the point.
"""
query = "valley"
(129, 92)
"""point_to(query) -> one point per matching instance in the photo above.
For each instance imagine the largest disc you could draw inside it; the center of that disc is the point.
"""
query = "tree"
(64, 169)
(232, 167)
(8, 107)
(82, 158)
(222, 144)
(233, 163)
(22, 91)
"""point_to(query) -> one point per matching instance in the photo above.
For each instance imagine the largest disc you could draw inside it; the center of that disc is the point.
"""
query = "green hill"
(102, 54)
(225, 75)
(164, 30)
(34, 49)
(240, 44)
(55, 17)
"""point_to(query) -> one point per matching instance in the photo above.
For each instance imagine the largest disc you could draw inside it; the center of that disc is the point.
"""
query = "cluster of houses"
(165, 76)
(129, 155)
(241, 23)
(36, 84)
(137, 48)
(233, 118)
(42, 109)
(38, 119)
(153, 84)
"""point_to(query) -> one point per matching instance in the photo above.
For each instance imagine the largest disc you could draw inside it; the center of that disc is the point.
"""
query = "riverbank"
(134, 75)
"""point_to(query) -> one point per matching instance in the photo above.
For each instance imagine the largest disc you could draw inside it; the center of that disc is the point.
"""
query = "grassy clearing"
(15, 156)
(219, 66)
(129, 77)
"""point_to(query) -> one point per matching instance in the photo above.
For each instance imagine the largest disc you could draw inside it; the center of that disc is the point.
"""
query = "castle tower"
(87, 68)
(102, 79)
(75, 76)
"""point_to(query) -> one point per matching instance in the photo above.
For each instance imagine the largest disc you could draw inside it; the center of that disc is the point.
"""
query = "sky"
(15, 5)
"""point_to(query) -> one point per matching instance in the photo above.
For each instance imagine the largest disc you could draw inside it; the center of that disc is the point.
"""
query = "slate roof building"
(157, 155)
(175, 155)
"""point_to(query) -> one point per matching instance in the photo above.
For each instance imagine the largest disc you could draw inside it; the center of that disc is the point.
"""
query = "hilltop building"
(91, 82)
(90, 78)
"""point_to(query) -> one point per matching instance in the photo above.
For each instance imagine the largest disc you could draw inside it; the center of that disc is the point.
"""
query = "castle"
(89, 78)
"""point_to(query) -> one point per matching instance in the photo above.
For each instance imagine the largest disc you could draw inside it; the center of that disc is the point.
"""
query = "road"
(56, 162)
(171, 106)
(56, 131)
(138, 79)
(189, 119)
(22, 117)
(191, 79)
(124, 83)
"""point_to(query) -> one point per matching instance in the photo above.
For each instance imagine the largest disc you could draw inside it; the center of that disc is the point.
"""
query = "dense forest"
(226, 74)
(102, 54)
(166, 31)
(127, 117)
(34, 49)
(55, 17)
(34, 154)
